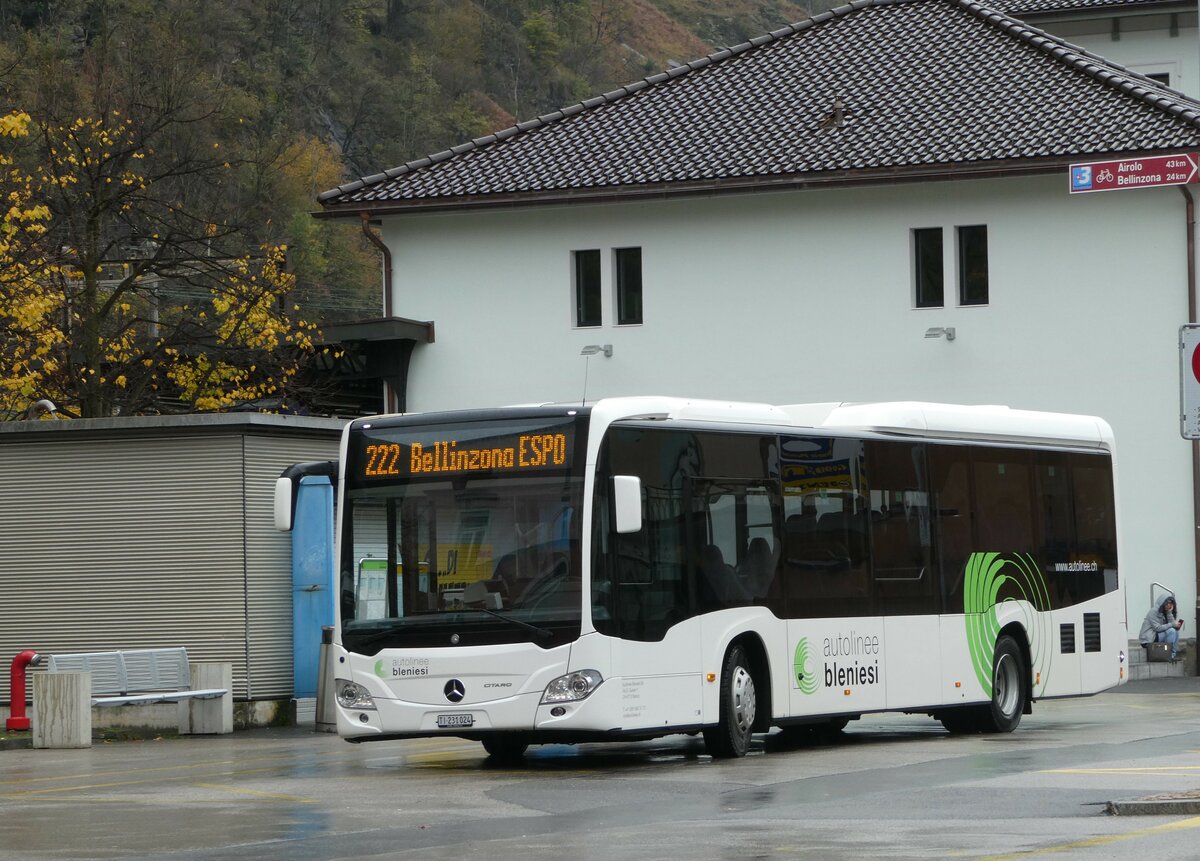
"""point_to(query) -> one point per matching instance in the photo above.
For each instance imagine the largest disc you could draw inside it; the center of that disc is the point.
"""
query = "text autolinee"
(1178, 169)
(528, 451)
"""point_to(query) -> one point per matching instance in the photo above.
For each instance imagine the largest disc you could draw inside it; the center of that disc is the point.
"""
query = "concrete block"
(208, 716)
(62, 710)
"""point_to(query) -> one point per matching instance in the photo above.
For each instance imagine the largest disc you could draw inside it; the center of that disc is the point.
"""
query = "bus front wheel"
(739, 705)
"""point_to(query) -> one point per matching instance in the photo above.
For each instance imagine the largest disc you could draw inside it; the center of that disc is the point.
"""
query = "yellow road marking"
(274, 796)
(212, 763)
(214, 768)
(1090, 842)
(1138, 770)
(86, 787)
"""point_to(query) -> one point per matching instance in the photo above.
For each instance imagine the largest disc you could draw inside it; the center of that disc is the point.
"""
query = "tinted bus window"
(906, 581)
(825, 542)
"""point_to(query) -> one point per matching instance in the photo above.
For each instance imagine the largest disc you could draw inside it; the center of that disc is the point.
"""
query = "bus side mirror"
(287, 488)
(627, 503)
(285, 502)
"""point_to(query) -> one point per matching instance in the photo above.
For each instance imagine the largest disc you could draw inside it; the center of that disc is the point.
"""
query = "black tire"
(505, 748)
(1009, 686)
(739, 706)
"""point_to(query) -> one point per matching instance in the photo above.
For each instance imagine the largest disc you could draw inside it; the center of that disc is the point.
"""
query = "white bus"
(645, 566)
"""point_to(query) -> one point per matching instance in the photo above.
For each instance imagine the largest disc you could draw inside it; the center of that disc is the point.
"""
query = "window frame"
(928, 265)
(622, 259)
(590, 280)
(968, 241)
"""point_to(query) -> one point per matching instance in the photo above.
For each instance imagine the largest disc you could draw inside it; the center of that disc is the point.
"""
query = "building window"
(629, 285)
(972, 265)
(1163, 78)
(927, 256)
(587, 288)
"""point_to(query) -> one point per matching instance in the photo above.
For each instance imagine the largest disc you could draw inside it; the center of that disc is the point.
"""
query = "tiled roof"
(926, 87)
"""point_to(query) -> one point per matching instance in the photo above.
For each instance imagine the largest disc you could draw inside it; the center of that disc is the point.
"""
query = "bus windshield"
(473, 528)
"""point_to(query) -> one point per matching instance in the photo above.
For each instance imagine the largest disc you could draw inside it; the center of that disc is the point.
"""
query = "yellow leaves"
(237, 342)
(14, 125)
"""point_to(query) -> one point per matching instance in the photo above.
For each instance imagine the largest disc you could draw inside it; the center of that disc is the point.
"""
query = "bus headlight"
(353, 696)
(572, 687)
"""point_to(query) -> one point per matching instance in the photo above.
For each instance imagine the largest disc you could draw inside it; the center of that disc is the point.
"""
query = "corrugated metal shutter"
(269, 561)
(148, 539)
(122, 543)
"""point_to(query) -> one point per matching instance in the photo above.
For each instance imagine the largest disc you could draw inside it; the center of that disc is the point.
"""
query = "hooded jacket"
(1156, 621)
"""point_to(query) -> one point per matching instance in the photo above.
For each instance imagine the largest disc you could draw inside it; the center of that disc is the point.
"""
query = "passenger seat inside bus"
(757, 569)
(721, 578)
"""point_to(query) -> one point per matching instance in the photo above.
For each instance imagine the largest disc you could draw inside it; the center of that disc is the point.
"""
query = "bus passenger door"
(656, 650)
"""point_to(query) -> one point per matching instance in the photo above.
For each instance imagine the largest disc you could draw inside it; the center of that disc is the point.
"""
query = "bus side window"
(735, 540)
(901, 539)
(826, 550)
(950, 483)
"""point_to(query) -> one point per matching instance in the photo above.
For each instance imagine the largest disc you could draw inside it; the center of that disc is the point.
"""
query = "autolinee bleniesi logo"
(806, 680)
(402, 668)
(850, 660)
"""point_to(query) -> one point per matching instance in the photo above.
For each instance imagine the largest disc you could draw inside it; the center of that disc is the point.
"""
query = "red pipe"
(17, 720)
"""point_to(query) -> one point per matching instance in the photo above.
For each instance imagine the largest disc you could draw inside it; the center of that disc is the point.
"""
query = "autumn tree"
(153, 279)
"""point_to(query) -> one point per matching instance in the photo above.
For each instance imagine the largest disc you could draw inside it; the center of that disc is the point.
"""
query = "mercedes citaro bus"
(643, 566)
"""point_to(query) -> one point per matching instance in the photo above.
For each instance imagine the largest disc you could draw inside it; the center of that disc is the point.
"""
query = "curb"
(1154, 807)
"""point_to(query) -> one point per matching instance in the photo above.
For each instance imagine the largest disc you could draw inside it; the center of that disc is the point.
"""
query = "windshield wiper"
(370, 639)
(543, 633)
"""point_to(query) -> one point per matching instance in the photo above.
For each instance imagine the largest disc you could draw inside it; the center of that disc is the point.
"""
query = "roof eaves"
(737, 185)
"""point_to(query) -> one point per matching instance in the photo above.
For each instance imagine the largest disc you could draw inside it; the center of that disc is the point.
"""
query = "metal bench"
(136, 676)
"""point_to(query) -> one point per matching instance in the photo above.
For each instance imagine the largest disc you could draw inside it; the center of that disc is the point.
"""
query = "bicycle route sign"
(1178, 169)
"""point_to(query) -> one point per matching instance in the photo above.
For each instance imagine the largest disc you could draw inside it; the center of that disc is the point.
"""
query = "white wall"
(807, 296)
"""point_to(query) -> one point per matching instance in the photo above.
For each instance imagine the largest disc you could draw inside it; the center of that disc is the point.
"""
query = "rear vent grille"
(1066, 638)
(1091, 632)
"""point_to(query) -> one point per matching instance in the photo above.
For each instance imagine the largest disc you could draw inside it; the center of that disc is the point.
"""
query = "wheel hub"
(744, 705)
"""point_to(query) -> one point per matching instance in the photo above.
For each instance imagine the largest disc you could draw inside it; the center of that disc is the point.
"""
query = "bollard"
(17, 721)
(326, 720)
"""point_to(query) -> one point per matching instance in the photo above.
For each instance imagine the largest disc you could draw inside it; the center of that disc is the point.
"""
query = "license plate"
(445, 721)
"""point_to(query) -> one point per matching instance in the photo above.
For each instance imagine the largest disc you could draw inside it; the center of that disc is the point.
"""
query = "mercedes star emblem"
(455, 691)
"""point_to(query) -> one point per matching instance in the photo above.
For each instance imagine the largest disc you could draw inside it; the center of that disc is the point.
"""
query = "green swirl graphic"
(806, 680)
(379, 669)
(990, 580)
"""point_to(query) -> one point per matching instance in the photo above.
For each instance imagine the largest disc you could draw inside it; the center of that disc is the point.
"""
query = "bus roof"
(909, 418)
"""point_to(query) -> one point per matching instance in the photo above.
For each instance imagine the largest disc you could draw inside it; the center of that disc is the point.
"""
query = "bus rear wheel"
(1009, 684)
(1003, 713)
(739, 706)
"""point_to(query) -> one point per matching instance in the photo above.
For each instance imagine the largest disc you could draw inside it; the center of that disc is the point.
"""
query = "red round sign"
(1196, 363)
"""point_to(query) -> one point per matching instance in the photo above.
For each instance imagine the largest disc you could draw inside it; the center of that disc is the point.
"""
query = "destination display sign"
(1178, 169)
(447, 452)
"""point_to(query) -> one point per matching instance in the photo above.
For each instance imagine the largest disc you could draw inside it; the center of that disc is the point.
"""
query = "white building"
(788, 220)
